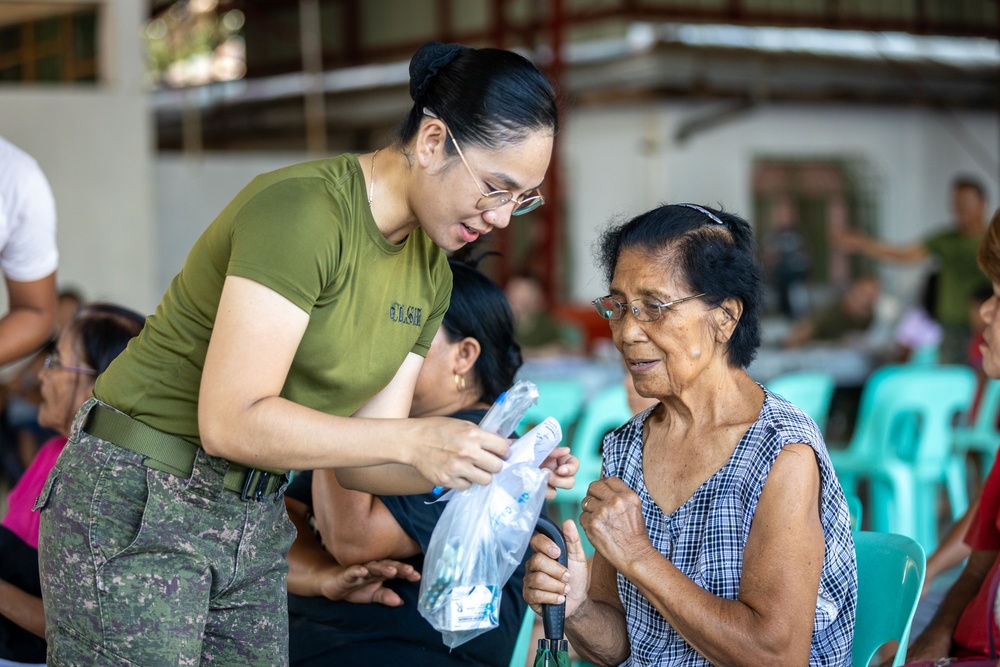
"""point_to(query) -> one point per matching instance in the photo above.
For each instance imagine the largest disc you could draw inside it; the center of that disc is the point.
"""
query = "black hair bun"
(428, 61)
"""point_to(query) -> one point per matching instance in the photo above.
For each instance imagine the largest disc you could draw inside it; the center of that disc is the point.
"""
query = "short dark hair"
(989, 249)
(486, 96)
(971, 183)
(480, 310)
(103, 330)
(717, 259)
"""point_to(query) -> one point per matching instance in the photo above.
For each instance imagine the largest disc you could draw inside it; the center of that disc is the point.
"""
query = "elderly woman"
(721, 533)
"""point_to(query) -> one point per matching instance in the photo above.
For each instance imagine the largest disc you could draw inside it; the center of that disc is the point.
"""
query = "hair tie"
(430, 59)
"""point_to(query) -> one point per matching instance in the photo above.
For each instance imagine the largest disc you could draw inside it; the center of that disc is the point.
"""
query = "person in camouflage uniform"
(291, 339)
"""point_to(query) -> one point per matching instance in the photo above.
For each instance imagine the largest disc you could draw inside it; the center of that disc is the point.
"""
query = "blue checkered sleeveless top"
(706, 536)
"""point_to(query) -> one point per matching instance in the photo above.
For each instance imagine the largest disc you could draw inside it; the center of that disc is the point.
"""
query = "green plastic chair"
(562, 399)
(890, 575)
(854, 510)
(981, 438)
(523, 644)
(810, 391)
(902, 446)
(606, 410)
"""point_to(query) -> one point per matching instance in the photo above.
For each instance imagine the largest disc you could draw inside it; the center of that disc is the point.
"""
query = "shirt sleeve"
(30, 252)
(286, 238)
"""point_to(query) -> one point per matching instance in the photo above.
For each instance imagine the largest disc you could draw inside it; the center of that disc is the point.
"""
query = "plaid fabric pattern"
(705, 537)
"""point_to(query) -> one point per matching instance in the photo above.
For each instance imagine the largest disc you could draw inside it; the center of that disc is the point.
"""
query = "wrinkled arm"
(771, 621)
(597, 629)
(31, 318)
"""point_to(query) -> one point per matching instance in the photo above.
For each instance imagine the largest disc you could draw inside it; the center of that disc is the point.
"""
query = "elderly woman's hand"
(563, 467)
(612, 519)
(548, 582)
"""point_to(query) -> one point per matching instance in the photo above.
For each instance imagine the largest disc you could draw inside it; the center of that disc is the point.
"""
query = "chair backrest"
(522, 647)
(908, 412)
(606, 410)
(562, 399)
(810, 391)
(890, 575)
(983, 435)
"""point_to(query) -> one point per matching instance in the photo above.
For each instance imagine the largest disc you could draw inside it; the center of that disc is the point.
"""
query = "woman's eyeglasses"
(497, 198)
(52, 363)
(647, 310)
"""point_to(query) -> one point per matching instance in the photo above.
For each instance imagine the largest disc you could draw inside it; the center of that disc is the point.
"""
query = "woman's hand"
(456, 454)
(563, 467)
(548, 582)
(363, 584)
(612, 518)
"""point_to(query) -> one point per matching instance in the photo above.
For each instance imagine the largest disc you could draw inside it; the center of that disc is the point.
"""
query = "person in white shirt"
(28, 255)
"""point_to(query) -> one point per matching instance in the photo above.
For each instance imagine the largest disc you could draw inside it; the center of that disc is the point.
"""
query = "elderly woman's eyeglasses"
(52, 363)
(647, 310)
(529, 201)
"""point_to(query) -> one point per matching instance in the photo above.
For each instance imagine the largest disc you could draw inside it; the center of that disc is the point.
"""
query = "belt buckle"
(257, 481)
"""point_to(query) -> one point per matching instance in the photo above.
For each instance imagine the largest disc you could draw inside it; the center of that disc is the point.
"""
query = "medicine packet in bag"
(481, 538)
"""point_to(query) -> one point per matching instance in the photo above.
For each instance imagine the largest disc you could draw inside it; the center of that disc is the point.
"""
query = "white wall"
(95, 145)
(191, 192)
(622, 161)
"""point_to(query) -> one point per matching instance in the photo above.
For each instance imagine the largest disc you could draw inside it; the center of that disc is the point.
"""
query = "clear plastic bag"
(481, 538)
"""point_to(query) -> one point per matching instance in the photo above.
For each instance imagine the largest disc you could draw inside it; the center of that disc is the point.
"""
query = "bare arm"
(935, 641)
(242, 416)
(30, 320)
(312, 571)
(597, 629)
(952, 550)
(858, 242)
(357, 526)
(22, 608)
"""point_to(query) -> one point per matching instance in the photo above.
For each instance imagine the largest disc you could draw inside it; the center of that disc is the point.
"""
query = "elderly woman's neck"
(712, 401)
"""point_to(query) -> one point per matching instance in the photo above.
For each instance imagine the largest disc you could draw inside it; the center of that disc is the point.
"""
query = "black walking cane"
(553, 650)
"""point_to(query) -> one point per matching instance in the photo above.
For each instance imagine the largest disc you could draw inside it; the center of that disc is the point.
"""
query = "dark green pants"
(141, 567)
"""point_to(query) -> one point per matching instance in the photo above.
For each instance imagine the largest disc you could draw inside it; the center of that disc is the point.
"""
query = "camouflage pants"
(141, 567)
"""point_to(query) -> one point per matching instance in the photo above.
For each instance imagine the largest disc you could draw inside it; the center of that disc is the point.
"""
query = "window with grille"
(49, 43)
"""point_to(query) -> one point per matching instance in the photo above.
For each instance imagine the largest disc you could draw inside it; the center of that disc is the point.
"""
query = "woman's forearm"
(356, 527)
(727, 632)
(306, 558)
(23, 608)
(598, 633)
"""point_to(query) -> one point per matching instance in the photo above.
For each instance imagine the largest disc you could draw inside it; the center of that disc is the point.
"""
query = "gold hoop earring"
(459, 382)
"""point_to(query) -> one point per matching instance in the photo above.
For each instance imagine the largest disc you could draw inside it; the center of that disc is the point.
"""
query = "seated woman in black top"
(472, 360)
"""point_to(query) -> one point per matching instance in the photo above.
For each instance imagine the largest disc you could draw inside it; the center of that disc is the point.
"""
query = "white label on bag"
(472, 608)
(536, 444)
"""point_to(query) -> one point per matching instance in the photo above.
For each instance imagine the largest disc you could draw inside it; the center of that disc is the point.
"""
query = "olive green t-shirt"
(958, 275)
(306, 232)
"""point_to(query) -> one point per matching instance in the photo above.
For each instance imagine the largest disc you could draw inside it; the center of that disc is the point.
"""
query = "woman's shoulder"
(789, 423)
